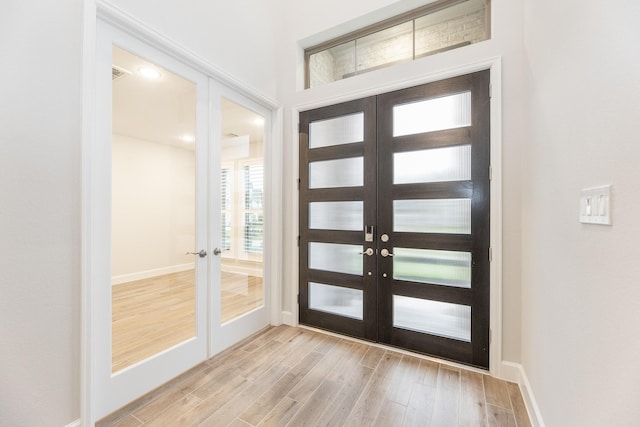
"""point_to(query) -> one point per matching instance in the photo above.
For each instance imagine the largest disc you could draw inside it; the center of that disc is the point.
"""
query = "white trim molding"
(515, 372)
(75, 423)
(289, 319)
(140, 275)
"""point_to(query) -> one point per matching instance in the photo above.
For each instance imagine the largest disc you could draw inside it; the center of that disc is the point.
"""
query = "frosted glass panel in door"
(152, 211)
(337, 173)
(335, 257)
(335, 299)
(433, 317)
(447, 112)
(242, 209)
(452, 216)
(432, 266)
(341, 130)
(433, 165)
(345, 216)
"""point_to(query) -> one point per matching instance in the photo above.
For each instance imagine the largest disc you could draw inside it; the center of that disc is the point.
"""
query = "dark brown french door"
(394, 218)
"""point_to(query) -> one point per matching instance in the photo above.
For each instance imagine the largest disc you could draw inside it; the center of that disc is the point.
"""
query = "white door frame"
(95, 10)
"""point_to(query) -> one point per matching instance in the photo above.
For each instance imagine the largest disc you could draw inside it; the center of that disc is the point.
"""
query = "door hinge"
(490, 90)
(490, 335)
(299, 180)
(298, 298)
(490, 254)
(298, 241)
(490, 173)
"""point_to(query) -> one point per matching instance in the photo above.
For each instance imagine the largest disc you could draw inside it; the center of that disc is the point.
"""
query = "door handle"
(201, 254)
(369, 252)
(385, 253)
(217, 251)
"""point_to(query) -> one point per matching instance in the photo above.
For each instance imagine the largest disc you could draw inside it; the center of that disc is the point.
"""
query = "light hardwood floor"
(288, 376)
(154, 314)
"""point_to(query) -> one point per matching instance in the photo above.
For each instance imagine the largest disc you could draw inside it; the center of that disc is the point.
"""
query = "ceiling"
(163, 109)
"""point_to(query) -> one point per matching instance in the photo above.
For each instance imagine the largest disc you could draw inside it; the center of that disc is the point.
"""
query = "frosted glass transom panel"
(433, 317)
(337, 300)
(448, 268)
(337, 131)
(339, 258)
(345, 216)
(447, 112)
(451, 216)
(433, 165)
(337, 173)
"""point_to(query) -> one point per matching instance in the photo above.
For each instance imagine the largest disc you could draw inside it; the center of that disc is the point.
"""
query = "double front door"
(394, 218)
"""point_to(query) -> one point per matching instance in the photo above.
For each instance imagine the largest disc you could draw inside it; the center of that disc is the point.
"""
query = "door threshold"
(399, 350)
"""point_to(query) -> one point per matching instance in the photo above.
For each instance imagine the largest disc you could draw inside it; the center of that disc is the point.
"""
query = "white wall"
(305, 19)
(40, 99)
(153, 208)
(581, 299)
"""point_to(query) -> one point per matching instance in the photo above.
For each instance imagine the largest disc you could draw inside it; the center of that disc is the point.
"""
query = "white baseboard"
(510, 371)
(75, 423)
(287, 318)
(514, 372)
(125, 278)
(250, 268)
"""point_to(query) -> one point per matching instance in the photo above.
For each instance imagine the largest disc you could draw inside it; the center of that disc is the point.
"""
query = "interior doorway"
(178, 217)
(394, 218)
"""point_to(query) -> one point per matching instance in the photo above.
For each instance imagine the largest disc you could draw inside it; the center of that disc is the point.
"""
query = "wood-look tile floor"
(151, 315)
(286, 376)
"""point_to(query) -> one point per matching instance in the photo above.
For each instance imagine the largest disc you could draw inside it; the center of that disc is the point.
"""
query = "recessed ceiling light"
(187, 138)
(148, 72)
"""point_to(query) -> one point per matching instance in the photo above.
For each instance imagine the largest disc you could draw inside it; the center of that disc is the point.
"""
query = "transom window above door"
(437, 27)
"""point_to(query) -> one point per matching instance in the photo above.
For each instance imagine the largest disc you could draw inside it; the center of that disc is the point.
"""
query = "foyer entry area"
(287, 376)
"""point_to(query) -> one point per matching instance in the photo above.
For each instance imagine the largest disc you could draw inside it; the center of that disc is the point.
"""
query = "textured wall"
(580, 294)
(40, 133)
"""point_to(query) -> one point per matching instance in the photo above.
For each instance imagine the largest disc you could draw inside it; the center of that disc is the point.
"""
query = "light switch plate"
(595, 205)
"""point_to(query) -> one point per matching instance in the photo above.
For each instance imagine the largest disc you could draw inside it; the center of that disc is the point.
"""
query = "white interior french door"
(183, 204)
(148, 208)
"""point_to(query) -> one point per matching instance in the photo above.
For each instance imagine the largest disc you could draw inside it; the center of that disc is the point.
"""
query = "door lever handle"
(369, 252)
(385, 253)
(201, 254)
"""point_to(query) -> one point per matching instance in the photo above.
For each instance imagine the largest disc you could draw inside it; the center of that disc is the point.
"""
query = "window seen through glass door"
(242, 211)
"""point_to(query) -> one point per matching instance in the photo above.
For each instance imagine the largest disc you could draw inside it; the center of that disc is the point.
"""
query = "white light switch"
(595, 205)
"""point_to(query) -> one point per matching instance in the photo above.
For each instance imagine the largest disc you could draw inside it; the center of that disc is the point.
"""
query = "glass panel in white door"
(152, 210)
(242, 205)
